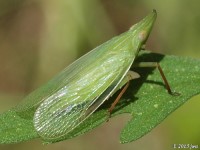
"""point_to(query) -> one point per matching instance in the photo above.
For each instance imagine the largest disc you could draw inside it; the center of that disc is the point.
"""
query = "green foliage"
(146, 100)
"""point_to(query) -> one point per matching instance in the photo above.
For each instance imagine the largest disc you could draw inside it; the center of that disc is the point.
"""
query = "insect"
(74, 94)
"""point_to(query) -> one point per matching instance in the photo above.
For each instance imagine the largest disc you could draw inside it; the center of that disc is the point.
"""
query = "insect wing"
(34, 99)
(86, 80)
(63, 119)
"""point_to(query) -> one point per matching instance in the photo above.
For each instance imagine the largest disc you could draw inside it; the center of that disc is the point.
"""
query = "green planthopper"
(75, 93)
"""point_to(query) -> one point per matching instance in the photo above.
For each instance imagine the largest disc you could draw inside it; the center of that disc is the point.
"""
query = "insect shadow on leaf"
(129, 96)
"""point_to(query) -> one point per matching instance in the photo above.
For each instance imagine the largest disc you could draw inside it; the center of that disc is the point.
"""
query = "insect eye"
(142, 36)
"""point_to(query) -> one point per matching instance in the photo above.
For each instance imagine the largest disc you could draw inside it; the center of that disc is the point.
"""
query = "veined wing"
(64, 110)
(96, 56)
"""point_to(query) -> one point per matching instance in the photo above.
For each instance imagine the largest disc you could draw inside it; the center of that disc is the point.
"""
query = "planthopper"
(76, 92)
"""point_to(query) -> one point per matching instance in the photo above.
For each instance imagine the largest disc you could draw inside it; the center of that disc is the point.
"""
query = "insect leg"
(129, 76)
(157, 65)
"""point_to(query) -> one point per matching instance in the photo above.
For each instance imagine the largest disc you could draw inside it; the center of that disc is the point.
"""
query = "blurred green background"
(38, 38)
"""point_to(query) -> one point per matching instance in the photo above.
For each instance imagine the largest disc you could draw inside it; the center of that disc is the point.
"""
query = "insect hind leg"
(126, 81)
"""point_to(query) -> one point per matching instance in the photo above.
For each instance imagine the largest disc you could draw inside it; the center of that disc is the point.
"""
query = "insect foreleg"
(157, 65)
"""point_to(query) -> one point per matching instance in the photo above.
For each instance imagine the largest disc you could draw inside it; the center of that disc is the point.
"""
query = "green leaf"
(14, 129)
(146, 100)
